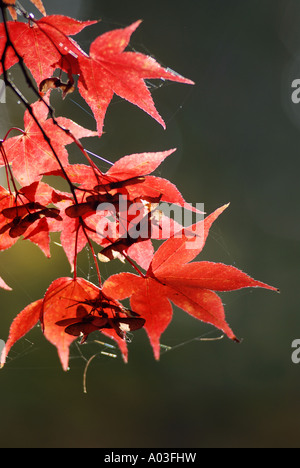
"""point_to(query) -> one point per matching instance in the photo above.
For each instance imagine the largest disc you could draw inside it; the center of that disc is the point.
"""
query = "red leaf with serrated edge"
(208, 275)
(30, 154)
(60, 303)
(22, 324)
(132, 173)
(44, 45)
(148, 298)
(190, 286)
(136, 165)
(109, 70)
(128, 168)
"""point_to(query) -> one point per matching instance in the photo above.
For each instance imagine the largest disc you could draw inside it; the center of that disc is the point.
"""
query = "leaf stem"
(133, 265)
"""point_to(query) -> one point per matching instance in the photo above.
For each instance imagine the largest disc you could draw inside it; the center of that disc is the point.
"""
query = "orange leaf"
(39, 5)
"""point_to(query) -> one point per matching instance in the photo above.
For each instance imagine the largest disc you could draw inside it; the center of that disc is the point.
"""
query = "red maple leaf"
(127, 169)
(190, 286)
(29, 153)
(109, 70)
(62, 308)
(43, 44)
(128, 176)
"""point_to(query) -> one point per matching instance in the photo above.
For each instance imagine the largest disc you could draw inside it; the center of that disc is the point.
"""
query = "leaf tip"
(64, 358)
(3, 358)
(267, 286)
(160, 120)
(220, 210)
(137, 23)
(156, 350)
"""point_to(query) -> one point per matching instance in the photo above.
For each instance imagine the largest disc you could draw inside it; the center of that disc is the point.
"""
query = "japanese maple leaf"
(60, 305)
(129, 176)
(109, 70)
(190, 286)
(43, 44)
(27, 214)
(29, 153)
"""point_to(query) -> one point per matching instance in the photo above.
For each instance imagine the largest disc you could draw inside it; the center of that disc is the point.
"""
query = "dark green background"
(238, 139)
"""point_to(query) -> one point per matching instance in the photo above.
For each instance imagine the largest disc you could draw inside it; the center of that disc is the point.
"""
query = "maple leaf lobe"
(109, 70)
(190, 286)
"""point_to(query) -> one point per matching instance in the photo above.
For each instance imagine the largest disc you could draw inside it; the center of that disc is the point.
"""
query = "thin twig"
(18, 93)
(85, 372)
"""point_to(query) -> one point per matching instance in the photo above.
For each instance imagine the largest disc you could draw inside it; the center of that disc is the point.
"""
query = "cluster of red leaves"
(74, 307)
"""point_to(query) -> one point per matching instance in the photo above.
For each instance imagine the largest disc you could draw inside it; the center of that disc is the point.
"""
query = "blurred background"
(238, 138)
